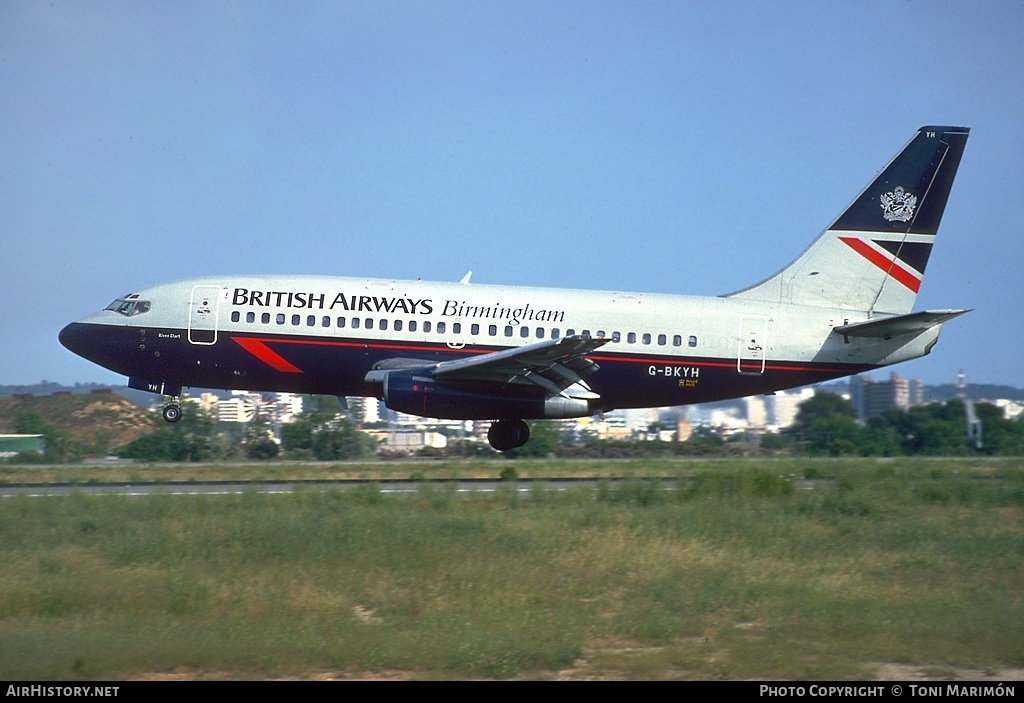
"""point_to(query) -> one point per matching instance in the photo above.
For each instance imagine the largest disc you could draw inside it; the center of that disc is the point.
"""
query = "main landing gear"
(508, 434)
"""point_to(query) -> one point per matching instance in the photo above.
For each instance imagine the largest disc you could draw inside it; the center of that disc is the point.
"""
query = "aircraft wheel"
(172, 412)
(508, 434)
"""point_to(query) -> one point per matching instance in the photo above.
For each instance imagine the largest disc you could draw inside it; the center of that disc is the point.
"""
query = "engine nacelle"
(417, 393)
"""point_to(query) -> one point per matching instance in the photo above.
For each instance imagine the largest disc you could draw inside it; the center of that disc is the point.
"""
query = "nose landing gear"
(172, 411)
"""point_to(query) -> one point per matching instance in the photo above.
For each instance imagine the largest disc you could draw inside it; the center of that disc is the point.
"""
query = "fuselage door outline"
(203, 311)
(750, 357)
(454, 340)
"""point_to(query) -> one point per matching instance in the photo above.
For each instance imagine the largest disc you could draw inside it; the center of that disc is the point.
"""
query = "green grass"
(743, 572)
(494, 468)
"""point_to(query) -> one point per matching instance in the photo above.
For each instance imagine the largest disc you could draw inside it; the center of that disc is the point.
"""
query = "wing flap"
(556, 365)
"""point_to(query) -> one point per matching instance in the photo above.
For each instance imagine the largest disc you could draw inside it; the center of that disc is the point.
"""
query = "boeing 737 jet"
(507, 354)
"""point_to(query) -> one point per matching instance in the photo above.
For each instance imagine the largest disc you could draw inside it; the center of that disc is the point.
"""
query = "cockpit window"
(129, 306)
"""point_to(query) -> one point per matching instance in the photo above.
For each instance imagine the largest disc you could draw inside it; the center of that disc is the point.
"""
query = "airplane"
(508, 354)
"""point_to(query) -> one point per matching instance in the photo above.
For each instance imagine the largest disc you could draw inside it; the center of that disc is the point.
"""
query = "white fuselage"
(321, 334)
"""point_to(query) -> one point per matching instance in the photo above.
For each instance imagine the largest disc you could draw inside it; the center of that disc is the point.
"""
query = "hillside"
(96, 422)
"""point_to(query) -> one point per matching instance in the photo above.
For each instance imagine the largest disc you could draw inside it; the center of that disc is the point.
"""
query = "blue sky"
(671, 147)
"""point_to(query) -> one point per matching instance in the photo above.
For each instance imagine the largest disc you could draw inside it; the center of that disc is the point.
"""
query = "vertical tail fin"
(873, 256)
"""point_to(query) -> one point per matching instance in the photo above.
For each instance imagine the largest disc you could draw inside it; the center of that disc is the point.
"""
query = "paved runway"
(237, 487)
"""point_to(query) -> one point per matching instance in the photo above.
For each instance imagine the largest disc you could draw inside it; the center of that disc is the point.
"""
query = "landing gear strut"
(508, 434)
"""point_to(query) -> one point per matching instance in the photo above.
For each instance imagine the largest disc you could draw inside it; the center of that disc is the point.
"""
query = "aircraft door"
(750, 357)
(203, 309)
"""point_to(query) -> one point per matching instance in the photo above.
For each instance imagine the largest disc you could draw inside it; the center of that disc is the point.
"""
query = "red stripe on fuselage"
(259, 349)
(883, 262)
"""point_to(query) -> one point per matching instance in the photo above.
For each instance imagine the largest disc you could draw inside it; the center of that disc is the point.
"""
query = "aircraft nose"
(92, 342)
(107, 345)
(74, 338)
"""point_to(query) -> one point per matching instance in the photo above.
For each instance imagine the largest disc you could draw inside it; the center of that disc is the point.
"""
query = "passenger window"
(325, 321)
(492, 330)
(426, 326)
(295, 320)
(647, 338)
(631, 337)
(383, 324)
(570, 332)
(456, 328)
(280, 318)
(341, 322)
(693, 340)
(600, 334)
(398, 325)
(355, 323)
(474, 329)
(412, 325)
(368, 324)
(508, 330)
(662, 339)
(677, 340)
(265, 318)
(540, 333)
(524, 331)
(616, 336)
(440, 328)
(554, 333)
(235, 317)
(311, 320)
(586, 333)
(250, 317)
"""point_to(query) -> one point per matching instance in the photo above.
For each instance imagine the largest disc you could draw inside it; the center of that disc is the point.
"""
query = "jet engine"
(416, 392)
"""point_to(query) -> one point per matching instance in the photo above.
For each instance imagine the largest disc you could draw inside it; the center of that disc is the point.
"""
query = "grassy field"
(492, 468)
(746, 570)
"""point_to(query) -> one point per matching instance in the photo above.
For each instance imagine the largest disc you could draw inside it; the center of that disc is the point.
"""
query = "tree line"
(826, 425)
(322, 433)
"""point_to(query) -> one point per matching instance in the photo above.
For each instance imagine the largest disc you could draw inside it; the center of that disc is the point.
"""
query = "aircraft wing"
(555, 365)
(889, 327)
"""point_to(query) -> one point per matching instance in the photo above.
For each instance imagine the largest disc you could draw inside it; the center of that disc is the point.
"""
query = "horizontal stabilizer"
(889, 327)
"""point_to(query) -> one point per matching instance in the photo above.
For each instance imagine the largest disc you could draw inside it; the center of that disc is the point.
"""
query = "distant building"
(638, 420)
(235, 410)
(243, 407)
(785, 405)
(612, 425)
(11, 444)
(875, 397)
(1011, 408)
(408, 440)
(289, 407)
(757, 412)
(364, 410)
(209, 403)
